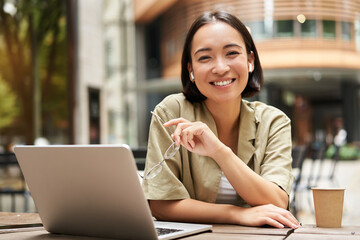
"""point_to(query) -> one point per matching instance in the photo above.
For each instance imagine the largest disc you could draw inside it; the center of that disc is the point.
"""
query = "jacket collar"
(247, 132)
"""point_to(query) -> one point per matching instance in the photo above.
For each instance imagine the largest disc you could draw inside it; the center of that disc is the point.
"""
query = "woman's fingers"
(184, 140)
(270, 215)
(271, 222)
(190, 139)
(287, 219)
(175, 121)
(292, 219)
(189, 134)
(283, 216)
(284, 221)
(194, 136)
(179, 135)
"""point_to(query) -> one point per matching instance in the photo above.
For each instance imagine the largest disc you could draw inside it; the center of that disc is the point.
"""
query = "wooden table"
(27, 226)
(19, 222)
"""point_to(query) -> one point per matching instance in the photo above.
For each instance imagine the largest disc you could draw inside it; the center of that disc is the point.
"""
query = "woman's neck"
(225, 114)
(227, 117)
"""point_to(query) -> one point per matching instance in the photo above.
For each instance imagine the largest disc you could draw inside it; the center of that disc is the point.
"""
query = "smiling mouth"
(223, 83)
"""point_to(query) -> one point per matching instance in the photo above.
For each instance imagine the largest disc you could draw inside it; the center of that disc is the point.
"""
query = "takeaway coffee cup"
(328, 204)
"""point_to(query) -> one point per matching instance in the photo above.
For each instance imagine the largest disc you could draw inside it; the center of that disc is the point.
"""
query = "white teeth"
(222, 83)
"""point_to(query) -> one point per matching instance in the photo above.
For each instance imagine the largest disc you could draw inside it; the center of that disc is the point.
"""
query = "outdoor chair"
(318, 151)
(298, 155)
(12, 185)
(140, 156)
(313, 175)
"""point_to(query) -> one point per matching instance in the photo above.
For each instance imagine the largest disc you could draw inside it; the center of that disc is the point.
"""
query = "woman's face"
(220, 62)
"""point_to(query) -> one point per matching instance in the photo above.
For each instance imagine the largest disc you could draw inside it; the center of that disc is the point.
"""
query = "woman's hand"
(195, 137)
(265, 215)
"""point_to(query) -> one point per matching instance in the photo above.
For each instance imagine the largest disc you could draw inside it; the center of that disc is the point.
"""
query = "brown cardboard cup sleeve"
(328, 203)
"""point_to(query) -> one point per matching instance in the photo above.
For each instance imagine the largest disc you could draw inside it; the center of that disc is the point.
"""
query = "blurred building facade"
(105, 106)
(309, 50)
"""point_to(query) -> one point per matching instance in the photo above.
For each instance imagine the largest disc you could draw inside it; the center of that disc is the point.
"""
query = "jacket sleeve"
(166, 185)
(276, 164)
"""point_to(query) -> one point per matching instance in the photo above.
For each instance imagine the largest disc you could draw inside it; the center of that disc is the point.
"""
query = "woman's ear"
(251, 61)
(191, 74)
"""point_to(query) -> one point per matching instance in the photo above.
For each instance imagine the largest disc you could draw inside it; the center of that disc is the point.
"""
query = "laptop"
(93, 190)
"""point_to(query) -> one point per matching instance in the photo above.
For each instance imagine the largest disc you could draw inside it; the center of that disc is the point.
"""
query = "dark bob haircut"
(255, 80)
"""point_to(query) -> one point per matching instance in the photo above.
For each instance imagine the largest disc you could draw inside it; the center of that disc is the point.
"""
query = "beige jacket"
(264, 144)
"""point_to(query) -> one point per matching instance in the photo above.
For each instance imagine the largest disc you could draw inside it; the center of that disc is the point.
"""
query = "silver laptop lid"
(90, 190)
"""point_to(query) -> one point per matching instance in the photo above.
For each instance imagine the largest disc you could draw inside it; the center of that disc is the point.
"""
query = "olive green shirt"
(264, 144)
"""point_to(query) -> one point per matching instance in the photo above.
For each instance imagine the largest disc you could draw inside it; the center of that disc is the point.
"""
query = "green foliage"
(8, 105)
(330, 151)
(346, 152)
(33, 48)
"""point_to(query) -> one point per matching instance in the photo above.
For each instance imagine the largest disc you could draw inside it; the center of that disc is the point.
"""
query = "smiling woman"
(234, 164)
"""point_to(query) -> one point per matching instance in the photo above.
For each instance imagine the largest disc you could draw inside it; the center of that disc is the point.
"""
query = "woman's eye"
(232, 53)
(202, 58)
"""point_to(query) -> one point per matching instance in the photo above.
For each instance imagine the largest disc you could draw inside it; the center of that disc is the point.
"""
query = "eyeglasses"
(169, 153)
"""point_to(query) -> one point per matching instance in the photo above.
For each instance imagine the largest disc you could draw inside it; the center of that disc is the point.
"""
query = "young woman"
(234, 164)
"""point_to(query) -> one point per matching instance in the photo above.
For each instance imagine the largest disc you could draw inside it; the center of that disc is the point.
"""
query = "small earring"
(250, 67)
(192, 77)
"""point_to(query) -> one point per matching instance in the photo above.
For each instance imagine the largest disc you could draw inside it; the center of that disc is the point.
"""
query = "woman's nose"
(220, 67)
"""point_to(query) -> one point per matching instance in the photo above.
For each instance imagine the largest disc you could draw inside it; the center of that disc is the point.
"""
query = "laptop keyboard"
(163, 231)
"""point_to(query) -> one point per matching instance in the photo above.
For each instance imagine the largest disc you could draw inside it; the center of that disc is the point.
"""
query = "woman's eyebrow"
(202, 50)
(232, 45)
(226, 46)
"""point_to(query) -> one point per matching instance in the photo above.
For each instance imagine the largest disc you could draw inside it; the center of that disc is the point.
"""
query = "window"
(308, 28)
(357, 34)
(258, 30)
(94, 115)
(284, 28)
(329, 29)
(346, 31)
(153, 51)
(109, 58)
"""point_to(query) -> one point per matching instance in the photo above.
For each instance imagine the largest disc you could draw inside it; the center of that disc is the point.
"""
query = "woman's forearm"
(254, 189)
(190, 210)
